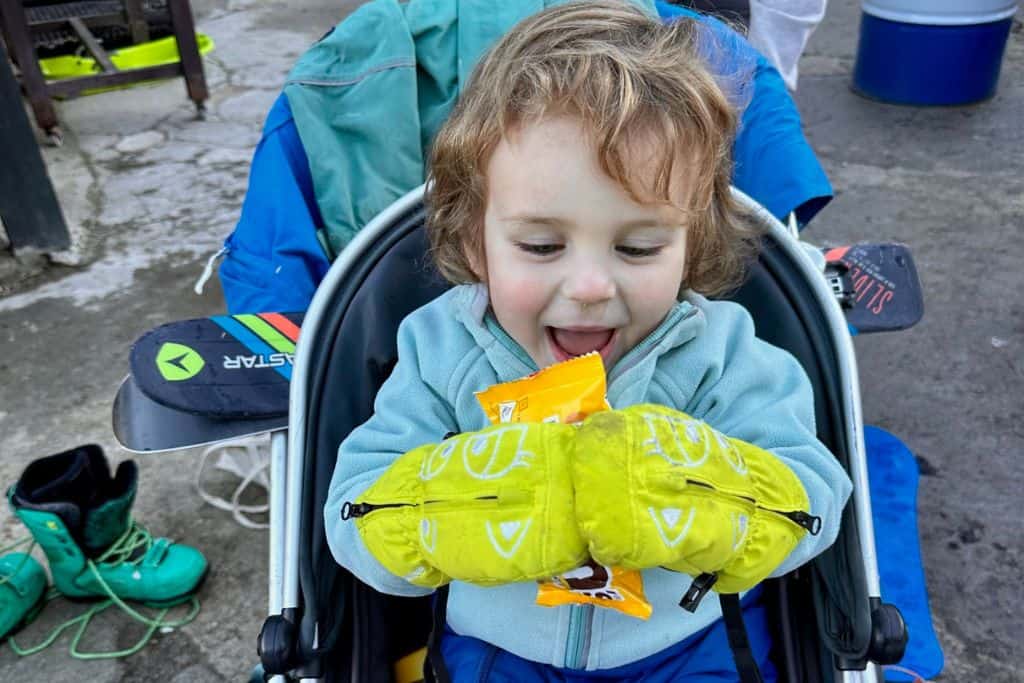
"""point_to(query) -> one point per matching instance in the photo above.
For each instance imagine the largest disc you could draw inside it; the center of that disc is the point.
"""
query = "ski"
(877, 285)
(204, 380)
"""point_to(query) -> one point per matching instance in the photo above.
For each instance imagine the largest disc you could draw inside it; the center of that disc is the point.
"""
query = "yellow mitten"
(657, 488)
(487, 507)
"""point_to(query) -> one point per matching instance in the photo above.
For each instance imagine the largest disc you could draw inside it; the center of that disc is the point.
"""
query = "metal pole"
(278, 478)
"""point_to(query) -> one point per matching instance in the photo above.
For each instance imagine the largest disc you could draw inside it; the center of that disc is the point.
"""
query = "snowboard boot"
(81, 518)
(22, 589)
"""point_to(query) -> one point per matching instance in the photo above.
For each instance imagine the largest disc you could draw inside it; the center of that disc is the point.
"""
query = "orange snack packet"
(568, 392)
(565, 392)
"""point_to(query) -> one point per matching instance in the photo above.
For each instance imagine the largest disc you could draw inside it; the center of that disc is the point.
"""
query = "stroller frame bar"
(299, 382)
(850, 385)
(288, 447)
(278, 479)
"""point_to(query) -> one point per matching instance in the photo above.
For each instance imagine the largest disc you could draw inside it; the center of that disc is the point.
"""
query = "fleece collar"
(683, 323)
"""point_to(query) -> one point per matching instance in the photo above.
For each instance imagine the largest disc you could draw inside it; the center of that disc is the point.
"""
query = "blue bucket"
(931, 52)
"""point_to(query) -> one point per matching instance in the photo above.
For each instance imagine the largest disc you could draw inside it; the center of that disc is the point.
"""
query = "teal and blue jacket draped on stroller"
(294, 223)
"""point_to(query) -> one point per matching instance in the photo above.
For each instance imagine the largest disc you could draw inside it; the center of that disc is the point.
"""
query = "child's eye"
(540, 249)
(638, 252)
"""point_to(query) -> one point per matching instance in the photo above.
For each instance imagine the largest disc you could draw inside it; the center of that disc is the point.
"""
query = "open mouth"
(569, 342)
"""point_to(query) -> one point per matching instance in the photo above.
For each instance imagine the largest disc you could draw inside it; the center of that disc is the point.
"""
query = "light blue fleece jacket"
(703, 359)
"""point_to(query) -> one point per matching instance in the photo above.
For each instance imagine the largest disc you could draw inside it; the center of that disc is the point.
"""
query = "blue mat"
(893, 476)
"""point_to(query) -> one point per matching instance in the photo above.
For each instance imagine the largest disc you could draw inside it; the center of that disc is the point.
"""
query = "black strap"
(732, 614)
(434, 669)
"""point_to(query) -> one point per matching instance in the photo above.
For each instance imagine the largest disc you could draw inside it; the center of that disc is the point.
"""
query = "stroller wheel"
(888, 635)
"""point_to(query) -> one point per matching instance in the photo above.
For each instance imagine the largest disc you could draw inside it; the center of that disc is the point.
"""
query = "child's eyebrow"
(554, 222)
(530, 219)
(643, 223)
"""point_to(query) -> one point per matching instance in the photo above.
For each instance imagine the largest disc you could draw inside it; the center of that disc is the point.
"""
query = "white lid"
(941, 12)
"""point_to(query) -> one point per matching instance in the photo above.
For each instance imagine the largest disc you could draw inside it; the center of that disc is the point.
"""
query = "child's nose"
(589, 286)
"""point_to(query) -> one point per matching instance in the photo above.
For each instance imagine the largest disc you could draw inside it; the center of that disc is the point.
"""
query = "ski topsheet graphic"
(877, 285)
(224, 367)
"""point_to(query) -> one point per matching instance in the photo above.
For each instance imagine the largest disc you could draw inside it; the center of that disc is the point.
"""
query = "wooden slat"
(137, 21)
(71, 87)
(40, 15)
(92, 45)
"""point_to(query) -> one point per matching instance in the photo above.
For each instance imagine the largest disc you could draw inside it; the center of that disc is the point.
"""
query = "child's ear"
(475, 258)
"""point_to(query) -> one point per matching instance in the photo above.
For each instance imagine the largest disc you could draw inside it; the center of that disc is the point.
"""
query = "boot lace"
(130, 548)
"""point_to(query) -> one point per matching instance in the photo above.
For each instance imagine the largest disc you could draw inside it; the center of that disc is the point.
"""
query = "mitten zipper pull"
(350, 510)
(810, 522)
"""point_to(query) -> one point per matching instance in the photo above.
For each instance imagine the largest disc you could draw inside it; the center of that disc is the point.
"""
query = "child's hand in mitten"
(655, 487)
(487, 507)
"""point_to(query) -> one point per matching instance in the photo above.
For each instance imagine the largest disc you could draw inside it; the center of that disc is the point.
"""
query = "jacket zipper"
(641, 350)
(577, 645)
(510, 344)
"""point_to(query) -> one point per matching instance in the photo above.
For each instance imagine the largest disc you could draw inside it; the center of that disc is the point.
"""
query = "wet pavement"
(150, 192)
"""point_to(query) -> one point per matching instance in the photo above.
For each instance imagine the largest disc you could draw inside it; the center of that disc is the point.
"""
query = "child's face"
(573, 263)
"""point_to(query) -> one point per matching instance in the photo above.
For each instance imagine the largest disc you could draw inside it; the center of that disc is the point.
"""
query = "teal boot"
(22, 585)
(81, 518)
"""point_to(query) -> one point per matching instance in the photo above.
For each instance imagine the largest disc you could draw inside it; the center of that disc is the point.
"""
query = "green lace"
(125, 550)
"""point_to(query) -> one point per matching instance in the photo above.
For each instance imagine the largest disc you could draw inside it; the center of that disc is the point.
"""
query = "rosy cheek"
(651, 291)
(652, 296)
(517, 294)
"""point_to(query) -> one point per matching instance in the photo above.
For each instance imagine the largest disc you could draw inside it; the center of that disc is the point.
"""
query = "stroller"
(326, 625)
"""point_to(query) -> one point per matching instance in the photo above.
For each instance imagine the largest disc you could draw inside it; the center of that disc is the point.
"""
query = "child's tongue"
(579, 343)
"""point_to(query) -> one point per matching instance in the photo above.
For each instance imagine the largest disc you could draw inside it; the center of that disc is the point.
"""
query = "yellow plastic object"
(409, 669)
(153, 53)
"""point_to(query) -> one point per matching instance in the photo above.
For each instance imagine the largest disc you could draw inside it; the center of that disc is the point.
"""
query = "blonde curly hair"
(628, 78)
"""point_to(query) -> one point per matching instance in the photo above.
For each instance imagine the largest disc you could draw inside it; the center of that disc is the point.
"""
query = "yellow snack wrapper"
(568, 392)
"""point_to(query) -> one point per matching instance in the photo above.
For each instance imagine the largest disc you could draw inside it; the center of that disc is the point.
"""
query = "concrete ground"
(150, 192)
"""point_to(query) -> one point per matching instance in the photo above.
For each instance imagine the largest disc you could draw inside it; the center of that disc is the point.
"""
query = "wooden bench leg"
(188, 49)
(12, 15)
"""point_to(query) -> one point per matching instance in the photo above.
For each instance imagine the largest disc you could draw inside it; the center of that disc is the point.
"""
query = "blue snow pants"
(704, 657)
